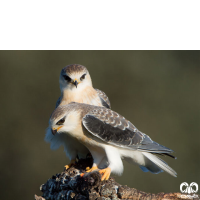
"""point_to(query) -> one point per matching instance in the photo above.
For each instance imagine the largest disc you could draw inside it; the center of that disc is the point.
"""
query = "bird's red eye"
(82, 77)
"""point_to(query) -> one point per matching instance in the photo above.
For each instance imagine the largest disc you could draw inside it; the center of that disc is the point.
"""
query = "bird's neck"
(86, 95)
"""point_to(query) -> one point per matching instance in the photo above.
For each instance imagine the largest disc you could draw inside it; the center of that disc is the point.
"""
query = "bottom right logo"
(189, 190)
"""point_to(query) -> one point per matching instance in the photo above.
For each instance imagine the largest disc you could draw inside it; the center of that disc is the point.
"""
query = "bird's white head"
(64, 120)
(74, 77)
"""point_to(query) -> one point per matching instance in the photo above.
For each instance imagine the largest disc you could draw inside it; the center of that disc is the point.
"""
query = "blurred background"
(158, 91)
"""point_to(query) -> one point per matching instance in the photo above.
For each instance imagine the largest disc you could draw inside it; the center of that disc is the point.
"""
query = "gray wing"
(104, 98)
(58, 102)
(114, 129)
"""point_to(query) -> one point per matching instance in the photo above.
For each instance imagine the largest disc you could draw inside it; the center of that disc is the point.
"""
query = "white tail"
(160, 163)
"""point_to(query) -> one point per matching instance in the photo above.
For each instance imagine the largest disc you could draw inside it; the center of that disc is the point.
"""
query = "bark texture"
(69, 185)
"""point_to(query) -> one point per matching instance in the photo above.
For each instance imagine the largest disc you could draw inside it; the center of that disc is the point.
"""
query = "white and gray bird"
(108, 136)
(76, 86)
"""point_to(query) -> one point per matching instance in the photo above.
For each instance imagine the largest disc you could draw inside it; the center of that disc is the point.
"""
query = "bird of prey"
(106, 134)
(76, 86)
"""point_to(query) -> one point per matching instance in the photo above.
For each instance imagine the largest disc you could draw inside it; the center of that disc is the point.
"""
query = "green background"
(158, 91)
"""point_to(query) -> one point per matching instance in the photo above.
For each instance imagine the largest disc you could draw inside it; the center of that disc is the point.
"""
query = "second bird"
(76, 86)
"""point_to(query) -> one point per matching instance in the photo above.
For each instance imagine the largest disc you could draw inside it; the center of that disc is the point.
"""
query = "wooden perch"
(69, 185)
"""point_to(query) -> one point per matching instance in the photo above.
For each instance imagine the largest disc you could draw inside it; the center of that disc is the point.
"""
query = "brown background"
(158, 91)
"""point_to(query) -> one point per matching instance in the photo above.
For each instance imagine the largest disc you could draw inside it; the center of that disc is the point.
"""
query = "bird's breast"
(86, 138)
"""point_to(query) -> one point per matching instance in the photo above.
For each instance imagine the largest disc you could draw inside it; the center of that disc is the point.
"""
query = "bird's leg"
(106, 173)
(94, 167)
(97, 160)
(72, 162)
(114, 160)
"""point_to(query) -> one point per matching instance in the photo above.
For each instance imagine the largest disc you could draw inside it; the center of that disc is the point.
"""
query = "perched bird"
(76, 86)
(106, 134)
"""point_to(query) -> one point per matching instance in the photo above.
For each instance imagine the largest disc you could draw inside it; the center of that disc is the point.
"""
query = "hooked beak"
(54, 130)
(75, 82)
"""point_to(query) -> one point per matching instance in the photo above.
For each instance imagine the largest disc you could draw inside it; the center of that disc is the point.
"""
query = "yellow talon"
(89, 170)
(92, 169)
(72, 162)
(106, 173)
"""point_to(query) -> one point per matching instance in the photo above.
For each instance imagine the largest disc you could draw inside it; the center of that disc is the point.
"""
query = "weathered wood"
(69, 185)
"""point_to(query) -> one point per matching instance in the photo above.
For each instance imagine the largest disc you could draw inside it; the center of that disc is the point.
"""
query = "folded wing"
(114, 129)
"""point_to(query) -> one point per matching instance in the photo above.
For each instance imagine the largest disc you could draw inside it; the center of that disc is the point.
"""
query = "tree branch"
(69, 185)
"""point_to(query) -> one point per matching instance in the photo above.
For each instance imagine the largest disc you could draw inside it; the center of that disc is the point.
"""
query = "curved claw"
(106, 173)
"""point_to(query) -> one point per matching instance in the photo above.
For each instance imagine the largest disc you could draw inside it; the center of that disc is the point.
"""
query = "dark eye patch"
(67, 78)
(82, 77)
(61, 121)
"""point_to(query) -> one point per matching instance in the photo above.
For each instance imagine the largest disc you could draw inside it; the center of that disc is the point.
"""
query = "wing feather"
(104, 98)
(114, 129)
